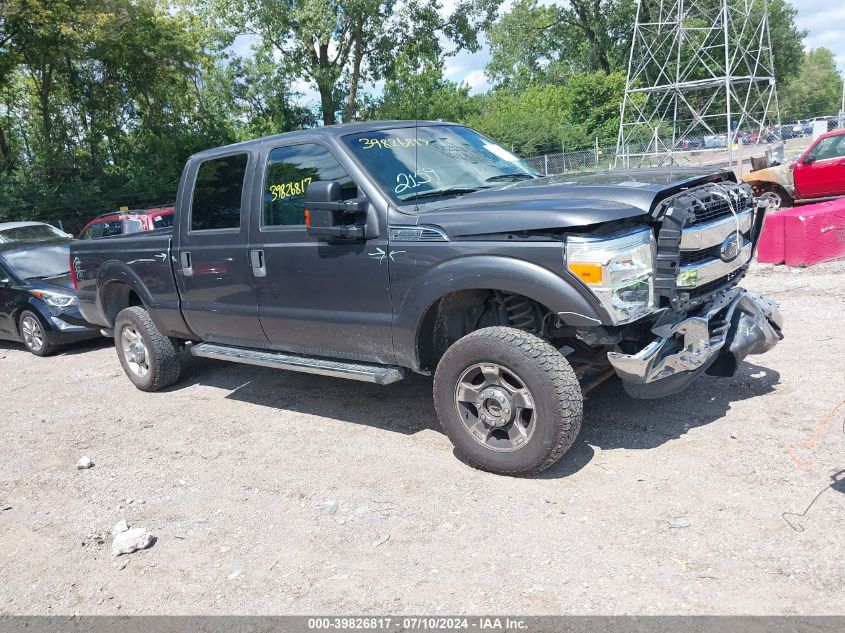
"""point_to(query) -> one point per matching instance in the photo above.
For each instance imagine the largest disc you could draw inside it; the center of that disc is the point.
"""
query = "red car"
(819, 174)
(135, 221)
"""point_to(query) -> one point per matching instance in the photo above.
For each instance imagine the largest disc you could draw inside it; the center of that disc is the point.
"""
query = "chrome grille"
(697, 252)
(704, 254)
(704, 292)
(713, 205)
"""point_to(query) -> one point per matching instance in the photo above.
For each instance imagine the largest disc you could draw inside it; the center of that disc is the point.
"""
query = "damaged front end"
(715, 341)
(705, 243)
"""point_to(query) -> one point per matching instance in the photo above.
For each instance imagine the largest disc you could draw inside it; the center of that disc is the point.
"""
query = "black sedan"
(38, 304)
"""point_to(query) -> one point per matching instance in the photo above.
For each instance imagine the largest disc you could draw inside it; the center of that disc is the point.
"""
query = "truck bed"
(140, 261)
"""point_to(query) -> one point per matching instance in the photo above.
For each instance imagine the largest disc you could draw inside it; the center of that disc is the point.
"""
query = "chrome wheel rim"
(773, 200)
(135, 351)
(33, 335)
(495, 407)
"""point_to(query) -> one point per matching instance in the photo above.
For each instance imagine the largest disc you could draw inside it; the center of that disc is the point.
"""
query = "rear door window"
(95, 230)
(162, 221)
(113, 227)
(134, 225)
(218, 193)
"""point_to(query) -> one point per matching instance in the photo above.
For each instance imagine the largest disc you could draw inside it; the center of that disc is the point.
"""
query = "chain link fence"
(709, 151)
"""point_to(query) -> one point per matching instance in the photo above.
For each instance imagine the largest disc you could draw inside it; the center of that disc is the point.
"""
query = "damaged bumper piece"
(715, 341)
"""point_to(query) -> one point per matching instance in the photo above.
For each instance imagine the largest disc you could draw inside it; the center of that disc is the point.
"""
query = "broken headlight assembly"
(618, 269)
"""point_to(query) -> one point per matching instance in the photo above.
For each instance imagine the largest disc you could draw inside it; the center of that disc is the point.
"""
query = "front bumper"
(62, 332)
(716, 340)
(64, 325)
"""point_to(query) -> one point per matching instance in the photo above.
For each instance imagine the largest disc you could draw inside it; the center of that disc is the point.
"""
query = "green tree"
(337, 45)
(418, 90)
(100, 107)
(816, 90)
(527, 45)
(528, 121)
(787, 40)
(554, 117)
(593, 101)
(540, 42)
(252, 97)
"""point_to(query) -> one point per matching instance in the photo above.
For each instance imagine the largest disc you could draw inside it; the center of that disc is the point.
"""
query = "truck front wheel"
(508, 400)
(149, 358)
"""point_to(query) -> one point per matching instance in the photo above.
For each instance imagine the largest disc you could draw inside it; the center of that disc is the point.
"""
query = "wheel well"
(457, 314)
(20, 311)
(116, 297)
(766, 186)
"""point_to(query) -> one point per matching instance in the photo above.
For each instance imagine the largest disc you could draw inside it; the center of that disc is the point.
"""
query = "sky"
(824, 21)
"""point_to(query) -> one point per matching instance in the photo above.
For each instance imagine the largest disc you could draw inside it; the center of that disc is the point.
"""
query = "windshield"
(38, 262)
(32, 233)
(428, 161)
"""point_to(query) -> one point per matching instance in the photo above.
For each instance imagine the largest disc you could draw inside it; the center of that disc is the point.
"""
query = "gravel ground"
(273, 492)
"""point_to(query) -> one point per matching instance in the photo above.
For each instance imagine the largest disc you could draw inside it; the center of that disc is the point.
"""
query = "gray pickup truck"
(369, 250)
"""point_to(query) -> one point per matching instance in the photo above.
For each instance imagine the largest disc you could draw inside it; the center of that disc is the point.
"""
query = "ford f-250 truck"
(369, 250)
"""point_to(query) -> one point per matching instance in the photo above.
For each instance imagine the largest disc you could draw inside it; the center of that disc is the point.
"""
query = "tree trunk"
(587, 21)
(8, 164)
(327, 103)
(320, 65)
(357, 58)
(44, 90)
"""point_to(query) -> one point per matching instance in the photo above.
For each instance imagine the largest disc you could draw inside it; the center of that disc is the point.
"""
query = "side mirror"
(329, 216)
(809, 159)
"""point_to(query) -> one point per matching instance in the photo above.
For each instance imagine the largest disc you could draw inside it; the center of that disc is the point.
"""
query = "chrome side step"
(378, 374)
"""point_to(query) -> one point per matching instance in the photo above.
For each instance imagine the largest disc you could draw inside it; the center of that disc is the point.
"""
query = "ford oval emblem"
(730, 248)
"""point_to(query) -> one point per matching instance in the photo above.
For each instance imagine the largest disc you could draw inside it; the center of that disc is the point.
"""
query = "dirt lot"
(273, 492)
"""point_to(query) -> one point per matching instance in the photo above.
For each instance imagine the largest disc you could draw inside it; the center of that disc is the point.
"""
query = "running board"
(378, 374)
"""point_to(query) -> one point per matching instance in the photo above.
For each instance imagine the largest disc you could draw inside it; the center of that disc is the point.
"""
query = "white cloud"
(477, 81)
(823, 20)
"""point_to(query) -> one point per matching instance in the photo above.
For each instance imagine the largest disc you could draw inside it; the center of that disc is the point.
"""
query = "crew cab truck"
(371, 250)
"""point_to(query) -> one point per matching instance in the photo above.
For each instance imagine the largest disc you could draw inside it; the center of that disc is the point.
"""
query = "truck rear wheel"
(149, 358)
(509, 401)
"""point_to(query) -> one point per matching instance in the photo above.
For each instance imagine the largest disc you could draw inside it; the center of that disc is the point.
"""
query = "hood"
(60, 283)
(564, 201)
(780, 174)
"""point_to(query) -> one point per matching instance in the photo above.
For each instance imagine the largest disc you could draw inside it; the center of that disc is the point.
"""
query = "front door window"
(289, 172)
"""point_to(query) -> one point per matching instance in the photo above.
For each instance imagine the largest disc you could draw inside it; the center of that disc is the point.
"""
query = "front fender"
(778, 175)
(487, 272)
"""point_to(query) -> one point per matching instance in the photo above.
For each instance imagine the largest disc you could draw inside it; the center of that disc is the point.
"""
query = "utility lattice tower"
(700, 73)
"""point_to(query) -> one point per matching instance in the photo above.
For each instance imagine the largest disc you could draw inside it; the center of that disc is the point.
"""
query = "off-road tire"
(165, 358)
(544, 371)
(45, 349)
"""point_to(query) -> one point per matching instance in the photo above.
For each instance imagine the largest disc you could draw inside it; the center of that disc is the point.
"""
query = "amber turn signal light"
(588, 273)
